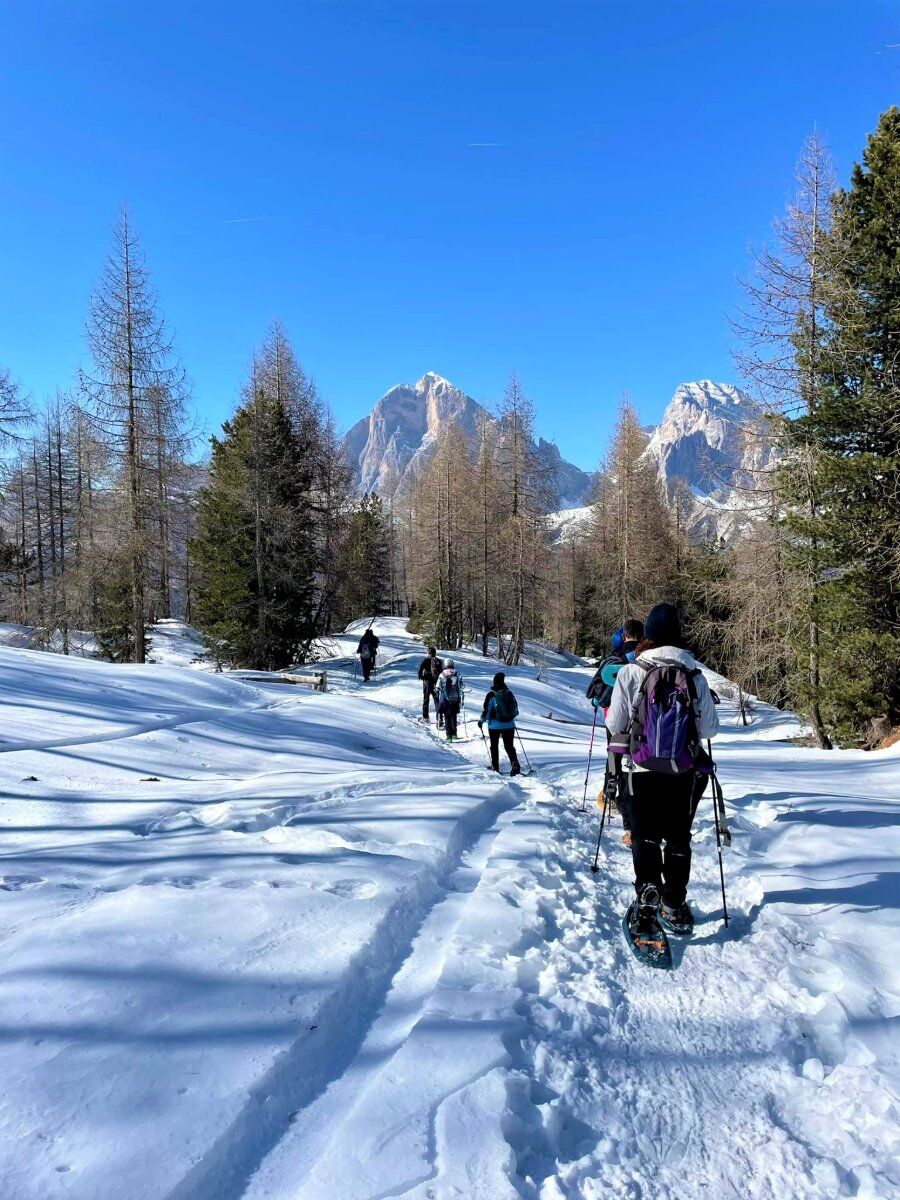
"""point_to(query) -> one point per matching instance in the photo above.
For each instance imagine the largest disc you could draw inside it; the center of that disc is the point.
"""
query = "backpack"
(451, 687)
(600, 687)
(366, 650)
(504, 705)
(663, 736)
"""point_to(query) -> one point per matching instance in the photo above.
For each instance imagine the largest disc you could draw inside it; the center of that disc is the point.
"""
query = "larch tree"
(135, 387)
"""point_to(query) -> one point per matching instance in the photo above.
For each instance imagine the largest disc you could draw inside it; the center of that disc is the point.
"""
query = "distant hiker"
(429, 672)
(500, 711)
(599, 692)
(450, 694)
(367, 649)
(661, 712)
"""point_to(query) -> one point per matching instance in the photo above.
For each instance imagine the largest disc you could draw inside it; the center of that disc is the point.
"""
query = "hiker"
(665, 776)
(450, 694)
(367, 649)
(599, 692)
(500, 711)
(429, 671)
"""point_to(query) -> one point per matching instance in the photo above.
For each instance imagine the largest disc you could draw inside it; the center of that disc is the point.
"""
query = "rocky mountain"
(712, 445)
(397, 438)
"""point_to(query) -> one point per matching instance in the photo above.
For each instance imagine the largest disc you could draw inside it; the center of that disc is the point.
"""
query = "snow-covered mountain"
(397, 438)
(712, 445)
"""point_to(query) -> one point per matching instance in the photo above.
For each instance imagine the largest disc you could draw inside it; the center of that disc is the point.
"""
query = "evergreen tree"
(365, 561)
(252, 554)
(854, 432)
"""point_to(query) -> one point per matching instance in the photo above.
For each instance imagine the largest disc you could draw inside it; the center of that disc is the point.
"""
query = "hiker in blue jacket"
(500, 711)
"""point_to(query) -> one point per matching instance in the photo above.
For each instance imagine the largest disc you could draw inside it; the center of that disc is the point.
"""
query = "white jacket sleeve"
(707, 716)
(618, 715)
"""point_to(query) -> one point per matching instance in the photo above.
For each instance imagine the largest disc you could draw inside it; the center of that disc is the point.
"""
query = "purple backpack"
(663, 734)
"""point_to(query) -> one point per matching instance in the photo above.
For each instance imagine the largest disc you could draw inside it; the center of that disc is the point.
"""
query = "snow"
(569, 523)
(267, 943)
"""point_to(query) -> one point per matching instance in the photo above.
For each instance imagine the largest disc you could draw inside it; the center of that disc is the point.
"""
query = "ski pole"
(465, 721)
(587, 774)
(524, 751)
(716, 795)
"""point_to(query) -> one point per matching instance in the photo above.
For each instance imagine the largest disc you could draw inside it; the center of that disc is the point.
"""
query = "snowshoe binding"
(644, 933)
(677, 918)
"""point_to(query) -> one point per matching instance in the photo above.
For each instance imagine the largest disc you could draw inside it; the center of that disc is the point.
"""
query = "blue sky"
(568, 189)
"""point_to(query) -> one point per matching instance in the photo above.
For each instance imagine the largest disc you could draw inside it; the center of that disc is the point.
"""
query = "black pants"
(662, 810)
(428, 694)
(509, 745)
(451, 715)
(367, 665)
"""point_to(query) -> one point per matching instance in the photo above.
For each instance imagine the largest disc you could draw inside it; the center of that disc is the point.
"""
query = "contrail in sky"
(245, 220)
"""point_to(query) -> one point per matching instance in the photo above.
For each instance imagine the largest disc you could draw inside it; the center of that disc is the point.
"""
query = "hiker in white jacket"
(662, 804)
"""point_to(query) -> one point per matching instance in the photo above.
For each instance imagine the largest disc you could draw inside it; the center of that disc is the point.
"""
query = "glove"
(480, 724)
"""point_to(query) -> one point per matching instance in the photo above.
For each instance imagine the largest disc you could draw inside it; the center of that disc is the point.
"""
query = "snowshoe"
(677, 918)
(644, 933)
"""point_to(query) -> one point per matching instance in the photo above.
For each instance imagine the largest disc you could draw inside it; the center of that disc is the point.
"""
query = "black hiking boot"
(516, 769)
(643, 931)
(646, 910)
(677, 918)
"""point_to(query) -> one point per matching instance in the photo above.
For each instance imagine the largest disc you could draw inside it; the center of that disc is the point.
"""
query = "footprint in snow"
(17, 883)
(350, 889)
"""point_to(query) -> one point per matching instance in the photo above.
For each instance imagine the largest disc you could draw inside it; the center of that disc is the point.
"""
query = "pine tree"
(253, 555)
(854, 431)
(365, 560)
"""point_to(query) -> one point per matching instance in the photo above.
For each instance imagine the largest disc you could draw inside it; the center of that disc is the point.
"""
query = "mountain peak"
(398, 437)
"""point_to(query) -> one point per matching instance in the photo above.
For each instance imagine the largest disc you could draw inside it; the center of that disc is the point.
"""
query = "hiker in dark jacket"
(662, 804)
(429, 671)
(500, 710)
(599, 692)
(450, 695)
(367, 649)
(624, 640)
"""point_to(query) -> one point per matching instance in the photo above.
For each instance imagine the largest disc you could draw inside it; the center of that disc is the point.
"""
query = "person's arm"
(618, 715)
(592, 687)
(486, 708)
(707, 716)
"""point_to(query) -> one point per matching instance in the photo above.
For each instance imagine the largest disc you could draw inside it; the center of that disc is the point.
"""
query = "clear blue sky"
(326, 163)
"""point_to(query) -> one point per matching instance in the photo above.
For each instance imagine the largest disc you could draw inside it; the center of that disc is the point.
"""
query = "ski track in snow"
(456, 1014)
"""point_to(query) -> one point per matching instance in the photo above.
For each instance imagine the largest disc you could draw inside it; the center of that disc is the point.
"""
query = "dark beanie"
(663, 626)
(500, 679)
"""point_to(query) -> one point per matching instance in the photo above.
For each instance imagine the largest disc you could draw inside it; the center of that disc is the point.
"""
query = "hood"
(668, 654)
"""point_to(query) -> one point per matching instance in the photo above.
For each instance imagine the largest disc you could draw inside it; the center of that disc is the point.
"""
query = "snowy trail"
(326, 955)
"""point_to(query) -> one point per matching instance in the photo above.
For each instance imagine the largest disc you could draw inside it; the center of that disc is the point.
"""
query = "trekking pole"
(595, 865)
(587, 774)
(524, 751)
(717, 798)
(465, 721)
